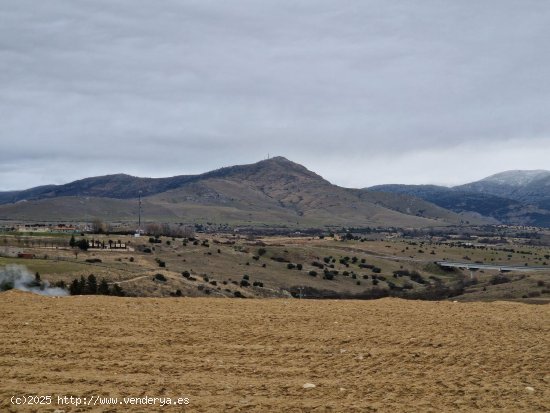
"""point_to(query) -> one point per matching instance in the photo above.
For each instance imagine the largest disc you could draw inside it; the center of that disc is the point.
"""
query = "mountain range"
(278, 192)
(511, 197)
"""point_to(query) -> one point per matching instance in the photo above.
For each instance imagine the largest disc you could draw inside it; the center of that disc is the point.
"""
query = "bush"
(118, 291)
(186, 274)
(261, 251)
(93, 260)
(499, 279)
(329, 275)
(279, 259)
(244, 283)
(299, 267)
(238, 294)
(246, 277)
(159, 277)
(290, 266)
(313, 273)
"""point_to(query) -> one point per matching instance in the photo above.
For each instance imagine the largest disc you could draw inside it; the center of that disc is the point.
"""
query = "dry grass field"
(230, 355)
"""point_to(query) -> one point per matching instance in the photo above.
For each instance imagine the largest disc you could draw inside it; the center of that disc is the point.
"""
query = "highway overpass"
(476, 266)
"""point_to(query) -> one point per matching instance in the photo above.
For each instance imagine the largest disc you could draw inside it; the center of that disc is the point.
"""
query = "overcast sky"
(361, 92)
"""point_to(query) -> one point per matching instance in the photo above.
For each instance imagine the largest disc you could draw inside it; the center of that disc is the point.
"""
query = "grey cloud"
(179, 87)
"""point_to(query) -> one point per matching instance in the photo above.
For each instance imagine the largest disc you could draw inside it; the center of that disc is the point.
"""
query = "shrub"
(499, 279)
(329, 275)
(313, 273)
(186, 274)
(238, 294)
(159, 277)
(244, 283)
(93, 260)
(261, 251)
(290, 266)
(118, 291)
(299, 267)
(416, 277)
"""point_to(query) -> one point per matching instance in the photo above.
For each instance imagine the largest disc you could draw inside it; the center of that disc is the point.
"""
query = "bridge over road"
(476, 266)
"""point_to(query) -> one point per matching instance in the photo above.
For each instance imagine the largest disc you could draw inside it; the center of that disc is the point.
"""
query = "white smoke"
(19, 277)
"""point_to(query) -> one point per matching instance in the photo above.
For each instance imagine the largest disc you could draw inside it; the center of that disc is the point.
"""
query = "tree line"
(90, 286)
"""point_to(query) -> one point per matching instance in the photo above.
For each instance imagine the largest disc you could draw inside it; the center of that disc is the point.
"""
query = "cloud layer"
(362, 92)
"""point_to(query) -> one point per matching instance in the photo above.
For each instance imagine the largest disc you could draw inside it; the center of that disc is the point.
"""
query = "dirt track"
(230, 355)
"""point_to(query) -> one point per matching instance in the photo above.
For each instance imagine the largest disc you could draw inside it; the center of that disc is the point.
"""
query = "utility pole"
(139, 214)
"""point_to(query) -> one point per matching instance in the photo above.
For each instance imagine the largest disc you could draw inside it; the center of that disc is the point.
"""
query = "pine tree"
(72, 242)
(74, 288)
(103, 287)
(82, 285)
(91, 285)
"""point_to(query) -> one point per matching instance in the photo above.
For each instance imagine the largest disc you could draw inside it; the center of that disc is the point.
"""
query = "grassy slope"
(236, 258)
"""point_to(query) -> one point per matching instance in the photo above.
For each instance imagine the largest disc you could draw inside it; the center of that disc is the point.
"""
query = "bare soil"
(231, 355)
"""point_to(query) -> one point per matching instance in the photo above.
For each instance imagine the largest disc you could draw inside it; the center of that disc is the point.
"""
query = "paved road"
(474, 266)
